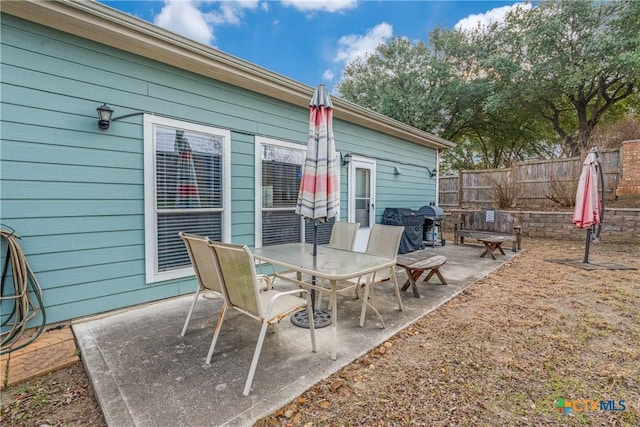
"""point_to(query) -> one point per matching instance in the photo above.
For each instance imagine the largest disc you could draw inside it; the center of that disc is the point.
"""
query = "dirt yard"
(504, 352)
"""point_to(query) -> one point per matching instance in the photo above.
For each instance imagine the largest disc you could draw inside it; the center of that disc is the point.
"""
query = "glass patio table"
(332, 265)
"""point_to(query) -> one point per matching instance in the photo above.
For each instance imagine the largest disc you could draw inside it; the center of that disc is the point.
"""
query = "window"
(186, 189)
(278, 174)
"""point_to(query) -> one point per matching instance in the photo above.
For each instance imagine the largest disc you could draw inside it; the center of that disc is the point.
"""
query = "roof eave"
(102, 24)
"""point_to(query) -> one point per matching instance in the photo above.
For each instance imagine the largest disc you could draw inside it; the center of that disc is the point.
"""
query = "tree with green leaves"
(514, 90)
(491, 127)
(570, 61)
(400, 81)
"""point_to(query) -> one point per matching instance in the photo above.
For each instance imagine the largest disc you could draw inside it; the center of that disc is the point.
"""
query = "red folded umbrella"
(587, 211)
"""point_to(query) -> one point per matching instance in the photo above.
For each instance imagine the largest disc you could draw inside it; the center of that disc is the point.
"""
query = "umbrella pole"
(321, 318)
(587, 246)
(314, 253)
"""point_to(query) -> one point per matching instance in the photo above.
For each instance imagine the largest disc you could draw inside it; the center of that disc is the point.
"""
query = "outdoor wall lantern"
(104, 116)
(346, 159)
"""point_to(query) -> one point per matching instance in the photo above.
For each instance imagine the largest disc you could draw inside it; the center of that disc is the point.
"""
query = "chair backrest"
(204, 261)
(343, 235)
(239, 280)
(384, 240)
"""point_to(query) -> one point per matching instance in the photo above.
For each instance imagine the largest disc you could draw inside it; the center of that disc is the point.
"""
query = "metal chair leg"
(193, 305)
(256, 356)
(216, 331)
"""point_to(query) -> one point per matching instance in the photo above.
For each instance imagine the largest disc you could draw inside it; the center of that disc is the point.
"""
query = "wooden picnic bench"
(492, 228)
(492, 243)
(416, 263)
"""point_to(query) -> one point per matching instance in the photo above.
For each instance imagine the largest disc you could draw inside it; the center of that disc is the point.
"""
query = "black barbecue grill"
(432, 228)
(412, 222)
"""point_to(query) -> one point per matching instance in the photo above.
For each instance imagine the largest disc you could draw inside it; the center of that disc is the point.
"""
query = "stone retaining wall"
(619, 225)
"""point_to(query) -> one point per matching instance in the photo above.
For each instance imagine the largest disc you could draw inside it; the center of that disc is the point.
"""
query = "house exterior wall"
(75, 193)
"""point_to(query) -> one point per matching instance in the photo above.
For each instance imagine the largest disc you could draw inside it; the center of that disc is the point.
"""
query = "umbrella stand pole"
(587, 246)
(314, 253)
(321, 318)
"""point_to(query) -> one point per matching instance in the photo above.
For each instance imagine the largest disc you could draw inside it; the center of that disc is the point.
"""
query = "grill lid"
(401, 216)
(432, 212)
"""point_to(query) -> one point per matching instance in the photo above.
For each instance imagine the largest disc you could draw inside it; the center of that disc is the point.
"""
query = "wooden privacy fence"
(540, 183)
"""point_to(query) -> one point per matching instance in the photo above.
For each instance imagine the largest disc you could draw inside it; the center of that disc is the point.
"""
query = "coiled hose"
(23, 308)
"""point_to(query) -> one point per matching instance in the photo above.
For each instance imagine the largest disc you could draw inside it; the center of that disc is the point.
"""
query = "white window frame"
(260, 141)
(152, 275)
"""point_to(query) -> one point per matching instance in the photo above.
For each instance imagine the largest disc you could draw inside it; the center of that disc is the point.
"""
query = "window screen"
(188, 181)
(281, 174)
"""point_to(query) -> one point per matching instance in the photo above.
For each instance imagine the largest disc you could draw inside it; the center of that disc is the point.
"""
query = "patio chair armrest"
(290, 292)
(266, 280)
(286, 293)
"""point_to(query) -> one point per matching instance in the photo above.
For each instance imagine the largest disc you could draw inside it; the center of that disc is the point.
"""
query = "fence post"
(460, 188)
(514, 176)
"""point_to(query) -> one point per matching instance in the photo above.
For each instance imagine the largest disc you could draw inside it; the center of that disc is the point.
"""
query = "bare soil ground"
(500, 354)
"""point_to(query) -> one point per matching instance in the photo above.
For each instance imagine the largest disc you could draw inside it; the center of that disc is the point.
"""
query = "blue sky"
(308, 40)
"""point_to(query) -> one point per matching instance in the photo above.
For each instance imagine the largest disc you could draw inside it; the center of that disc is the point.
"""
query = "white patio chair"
(384, 241)
(205, 267)
(343, 235)
(241, 289)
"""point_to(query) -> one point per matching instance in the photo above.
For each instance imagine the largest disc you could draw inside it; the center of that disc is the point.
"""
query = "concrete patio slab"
(145, 374)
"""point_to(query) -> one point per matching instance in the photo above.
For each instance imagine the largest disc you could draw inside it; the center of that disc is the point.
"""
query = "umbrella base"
(592, 265)
(321, 319)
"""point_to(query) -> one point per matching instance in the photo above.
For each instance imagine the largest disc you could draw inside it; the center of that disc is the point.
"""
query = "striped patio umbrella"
(187, 194)
(319, 197)
(319, 194)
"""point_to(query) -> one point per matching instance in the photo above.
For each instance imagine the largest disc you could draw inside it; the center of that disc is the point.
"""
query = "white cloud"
(184, 18)
(353, 46)
(471, 22)
(231, 12)
(328, 75)
(321, 5)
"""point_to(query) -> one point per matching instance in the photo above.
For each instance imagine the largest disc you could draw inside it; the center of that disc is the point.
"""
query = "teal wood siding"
(412, 188)
(75, 194)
